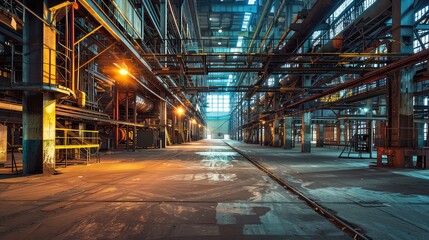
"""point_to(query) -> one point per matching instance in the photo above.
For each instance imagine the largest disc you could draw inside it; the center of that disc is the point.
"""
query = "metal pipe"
(258, 27)
(369, 77)
(88, 34)
(72, 43)
(318, 13)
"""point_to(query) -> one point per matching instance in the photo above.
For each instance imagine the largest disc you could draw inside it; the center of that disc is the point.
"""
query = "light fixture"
(220, 30)
(123, 71)
(193, 121)
(179, 110)
(219, 43)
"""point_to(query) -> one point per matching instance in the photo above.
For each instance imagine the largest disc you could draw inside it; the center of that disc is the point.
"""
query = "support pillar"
(276, 128)
(306, 132)
(267, 134)
(287, 135)
(400, 131)
(180, 129)
(420, 125)
(320, 135)
(341, 132)
(38, 115)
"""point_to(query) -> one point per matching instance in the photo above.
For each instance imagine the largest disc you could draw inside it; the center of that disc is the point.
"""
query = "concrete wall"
(218, 128)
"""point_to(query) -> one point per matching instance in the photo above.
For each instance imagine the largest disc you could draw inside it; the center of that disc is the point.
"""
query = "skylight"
(246, 21)
(245, 25)
(240, 41)
(251, 2)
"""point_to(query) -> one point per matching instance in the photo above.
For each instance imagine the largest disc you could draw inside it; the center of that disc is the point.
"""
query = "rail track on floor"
(343, 225)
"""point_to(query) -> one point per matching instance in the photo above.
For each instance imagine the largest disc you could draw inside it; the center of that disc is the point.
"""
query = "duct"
(143, 104)
(262, 99)
(289, 79)
(320, 11)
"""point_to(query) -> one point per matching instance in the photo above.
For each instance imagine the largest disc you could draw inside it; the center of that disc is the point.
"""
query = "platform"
(205, 190)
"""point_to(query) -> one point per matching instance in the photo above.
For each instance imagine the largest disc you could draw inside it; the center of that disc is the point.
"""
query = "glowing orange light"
(123, 71)
(193, 121)
(179, 110)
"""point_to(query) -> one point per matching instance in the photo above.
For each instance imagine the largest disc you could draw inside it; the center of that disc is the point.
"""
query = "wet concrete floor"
(199, 190)
(385, 203)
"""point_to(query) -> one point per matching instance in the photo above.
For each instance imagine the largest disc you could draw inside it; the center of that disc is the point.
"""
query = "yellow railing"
(76, 145)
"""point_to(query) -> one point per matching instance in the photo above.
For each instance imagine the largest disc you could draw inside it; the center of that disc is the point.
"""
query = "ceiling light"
(219, 43)
(180, 110)
(123, 71)
(220, 30)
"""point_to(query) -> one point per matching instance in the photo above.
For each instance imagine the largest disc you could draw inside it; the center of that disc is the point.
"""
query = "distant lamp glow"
(219, 43)
(365, 110)
(180, 110)
(123, 71)
(193, 121)
(220, 30)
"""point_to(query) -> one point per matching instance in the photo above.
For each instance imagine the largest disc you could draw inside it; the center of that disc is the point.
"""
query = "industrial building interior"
(329, 98)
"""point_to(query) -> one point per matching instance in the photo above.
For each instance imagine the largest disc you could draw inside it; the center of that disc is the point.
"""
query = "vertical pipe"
(12, 77)
(72, 38)
(135, 122)
(67, 44)
(116, 114)
(127, 141)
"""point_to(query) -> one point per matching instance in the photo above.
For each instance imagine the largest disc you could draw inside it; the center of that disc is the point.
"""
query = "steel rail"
(338, 222)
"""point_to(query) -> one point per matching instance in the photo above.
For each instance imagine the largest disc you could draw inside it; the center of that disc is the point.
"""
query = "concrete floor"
(205, 190)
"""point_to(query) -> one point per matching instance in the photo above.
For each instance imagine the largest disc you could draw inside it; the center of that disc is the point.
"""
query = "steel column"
(400, 87)
(288, 133)
(38, 118)
(320, 135)
(306, 132)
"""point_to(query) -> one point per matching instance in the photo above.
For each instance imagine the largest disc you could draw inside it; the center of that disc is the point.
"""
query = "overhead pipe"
(318, 13)
(369, 77)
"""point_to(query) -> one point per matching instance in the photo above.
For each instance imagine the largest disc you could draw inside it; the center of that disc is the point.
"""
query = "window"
(218, 103)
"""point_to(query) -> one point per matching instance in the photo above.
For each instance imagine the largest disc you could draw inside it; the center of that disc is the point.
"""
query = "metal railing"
(73, 145)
